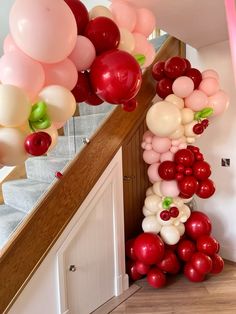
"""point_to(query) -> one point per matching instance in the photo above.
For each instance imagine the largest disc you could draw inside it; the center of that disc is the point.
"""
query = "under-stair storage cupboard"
(86, 266)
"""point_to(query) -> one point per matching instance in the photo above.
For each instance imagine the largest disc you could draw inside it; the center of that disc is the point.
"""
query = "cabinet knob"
(72, 268)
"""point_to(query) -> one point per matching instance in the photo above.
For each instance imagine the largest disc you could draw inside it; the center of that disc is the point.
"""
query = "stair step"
(84, 124)
(10, 218)
(85, 109)
(67, 146)
(23, 194)
(44, 168)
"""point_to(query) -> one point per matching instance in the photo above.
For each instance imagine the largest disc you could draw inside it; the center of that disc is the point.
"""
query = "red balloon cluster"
(196, 254)
(165, 72)
(191, 172)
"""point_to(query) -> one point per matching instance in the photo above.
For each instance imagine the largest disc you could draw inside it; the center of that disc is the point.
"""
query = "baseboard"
(228, 254)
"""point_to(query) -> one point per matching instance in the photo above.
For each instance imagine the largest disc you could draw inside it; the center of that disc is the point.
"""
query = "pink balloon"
(124, 14)
(169, 188)
(147, 137)
(161, 144)
(146, 22)
(196, 101)
(59, 125)
(151, 157)
(182, 146)
(167, 156)
(83, 54)
(63, 73)
(209, 86)
(150, 56)
(183, 86)
(141, 44)
(18, 69)
(9, 45)
(174, 149)
(45, 30)
(219, 102)
(153, 173)
(210, 73)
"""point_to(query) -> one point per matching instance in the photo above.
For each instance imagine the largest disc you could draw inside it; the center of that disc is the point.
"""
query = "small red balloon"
(156, 278)
(191, 273)
(38, 143)
(167, 170)
(175, 67)
(217, 264)
(201, 170)
(169, 263)
(186, 249)
(132, 271)
(208, 245)
(201, 262)
(80, 13)
(130, 105)
(197, 225)
(142, 268)
(195, 75)
(149, 248)
(188, 186)
(103, 33)
(82, 88)
(129, 249)
(158, 70)
(184, 157)
(164, 87)
(206, 189)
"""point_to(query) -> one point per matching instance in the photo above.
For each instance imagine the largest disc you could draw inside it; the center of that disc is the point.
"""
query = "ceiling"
(196, 22)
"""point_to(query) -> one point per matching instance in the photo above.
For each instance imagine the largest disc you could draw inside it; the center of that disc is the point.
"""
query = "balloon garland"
(175, 238)
(57, 54)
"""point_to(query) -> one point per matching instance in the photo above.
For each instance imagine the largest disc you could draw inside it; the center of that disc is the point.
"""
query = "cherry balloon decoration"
(38, 143)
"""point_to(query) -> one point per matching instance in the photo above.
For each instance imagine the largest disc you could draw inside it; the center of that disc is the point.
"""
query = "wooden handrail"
(34, 238)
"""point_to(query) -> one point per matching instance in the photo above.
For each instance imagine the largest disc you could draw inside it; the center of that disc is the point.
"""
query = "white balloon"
(156, 188)
(177, 101)
(187, 115)
(178, 133)
(181, 229)
(150, 224)
(127, 40)
(152, 202)
(149, 191)
(188, 129)
(147, 212)
(100, 10)
(170, 235)
(185, 213)
(52, 131)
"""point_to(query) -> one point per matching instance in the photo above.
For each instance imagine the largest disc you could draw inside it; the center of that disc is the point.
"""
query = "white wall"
(219, 141)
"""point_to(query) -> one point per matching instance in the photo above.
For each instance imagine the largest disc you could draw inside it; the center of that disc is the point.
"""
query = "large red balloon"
(186, 249)
(167, 170)
(206, 188)
(197, 225)
(142, 268)
(184, 157)
(217, 264)
(188, 186)
(191, 273)
(208, 245)
(132, 271)
(156, 278)
(175, 67)
(81, 89)
(195, 75)
(103, 33)
(116, 76)
(38, 143)
(129, 249)
(164, 87)
(149, 248)
(80, 13)
(169, 263)
(158, 70)
(201, 262)
(201, 170)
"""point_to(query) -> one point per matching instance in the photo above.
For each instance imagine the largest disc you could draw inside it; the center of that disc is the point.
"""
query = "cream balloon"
(163, 118)
(14, 106)
(52, 131)
(12, 150)
(150, 224)
(127, 41)
(188, 129)
(190, 140)
(149, 191)
(156, 189)
(181, 229)
(177, 101)
(147, 212)
(152, 202)
(185, 213)
(61, 104)
(170, 235)
(187, 115)
(100, 10)
(178, 133)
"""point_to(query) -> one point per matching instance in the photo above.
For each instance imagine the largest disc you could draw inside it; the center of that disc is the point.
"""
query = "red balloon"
(184, 157)
(158, 70)
(149, 248)
(130, 105)
(186, 249)
(81, 89)
(195, 75)
(208, 245)
(156, 278)
(37, 144)
(175, 67)
(167, 170)
(93, 99)
(129, 249)
(191, 273)
(142, 268)
(197, 225)
(164, 87)
(169, 263)
(132, 271)
(217, 264)
(206, 188)
(201, 170)
(188, 64)
(188, 186)
(103, 33)
(80, 13)
(116, 76)
(201, 262)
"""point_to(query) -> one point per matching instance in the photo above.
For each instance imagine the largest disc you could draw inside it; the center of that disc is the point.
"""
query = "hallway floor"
(215, 295)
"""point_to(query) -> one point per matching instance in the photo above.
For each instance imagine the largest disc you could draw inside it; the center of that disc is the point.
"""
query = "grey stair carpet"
(10, 218)
(67, 146)
(85, 109)
(43, 169)
(23, 194)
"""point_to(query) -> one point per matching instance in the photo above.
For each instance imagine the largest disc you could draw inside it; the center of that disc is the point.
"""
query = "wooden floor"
(215, 295)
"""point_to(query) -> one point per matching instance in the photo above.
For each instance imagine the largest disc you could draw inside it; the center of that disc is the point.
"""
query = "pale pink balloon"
(18, 69)
(45, 30)
(124, 14)
(83, 54)
(146, 22)
(153, 172)
(183, 146)
(183, 86)
(209, 86)
(151, 157)
(196, 101)
(210, 73)
(141, 44)
(148, 146)
(63, 73)
(161, 144)
(147, 137)
(150, 56)
(174, 149)
(167, 156)
(9, 45)
(176, 142)
(219, 102)
(59, 125)
(169, 188)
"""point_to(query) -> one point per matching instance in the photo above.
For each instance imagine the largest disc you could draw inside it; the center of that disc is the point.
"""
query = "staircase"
(20, 196)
